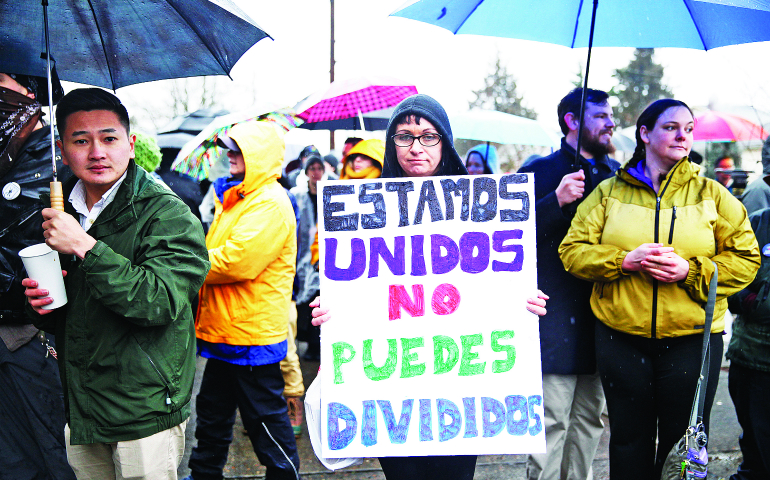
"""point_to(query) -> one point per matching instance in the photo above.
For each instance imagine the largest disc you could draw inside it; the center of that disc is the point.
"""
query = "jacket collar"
(569, 152)
(120, 212)
(681, 173)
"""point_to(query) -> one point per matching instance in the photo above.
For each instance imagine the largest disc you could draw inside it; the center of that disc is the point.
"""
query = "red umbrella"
(711, 126)
(352, 97)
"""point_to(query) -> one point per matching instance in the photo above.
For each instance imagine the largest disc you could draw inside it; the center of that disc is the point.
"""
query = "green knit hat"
(147, 152)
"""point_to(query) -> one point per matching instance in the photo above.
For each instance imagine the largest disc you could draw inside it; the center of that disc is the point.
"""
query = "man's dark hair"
(353, 140)
(571, 104)
(88, 100)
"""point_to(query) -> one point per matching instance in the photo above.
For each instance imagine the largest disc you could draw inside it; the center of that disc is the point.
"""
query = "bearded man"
(572, 390)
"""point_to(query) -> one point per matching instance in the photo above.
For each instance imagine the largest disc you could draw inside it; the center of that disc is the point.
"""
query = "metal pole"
(331, 67)
(57, 198)
(585, 87)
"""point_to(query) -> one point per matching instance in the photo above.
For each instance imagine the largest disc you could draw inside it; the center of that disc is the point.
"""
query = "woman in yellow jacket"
(647, 238)
(244, 306)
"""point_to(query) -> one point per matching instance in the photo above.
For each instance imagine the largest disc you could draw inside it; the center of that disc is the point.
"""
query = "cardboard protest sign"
(430, 349)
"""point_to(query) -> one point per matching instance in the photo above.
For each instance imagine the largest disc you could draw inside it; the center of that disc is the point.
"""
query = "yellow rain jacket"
(695, 215)
(252, 246)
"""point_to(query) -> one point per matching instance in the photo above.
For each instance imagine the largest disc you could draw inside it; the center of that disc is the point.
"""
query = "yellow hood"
(263, 149)
(373, 148)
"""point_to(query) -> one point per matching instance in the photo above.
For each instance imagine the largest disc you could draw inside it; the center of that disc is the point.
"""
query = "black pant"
(307, 332)
(650, 386)
(31, 415)
(257, 393)
(458, 467)
(750, 390)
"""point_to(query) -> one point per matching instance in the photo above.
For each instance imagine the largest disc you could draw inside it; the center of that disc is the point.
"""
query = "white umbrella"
(625, 139)
(499, 127)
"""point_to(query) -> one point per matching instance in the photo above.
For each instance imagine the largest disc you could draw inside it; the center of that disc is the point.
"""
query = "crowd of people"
(102, 387)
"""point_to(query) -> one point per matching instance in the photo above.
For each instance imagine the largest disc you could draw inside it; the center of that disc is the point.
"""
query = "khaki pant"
(572, 407)
(156, 457)
(292, 374)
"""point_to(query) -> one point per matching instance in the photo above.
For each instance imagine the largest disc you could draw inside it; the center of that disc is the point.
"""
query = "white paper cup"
(44, 267)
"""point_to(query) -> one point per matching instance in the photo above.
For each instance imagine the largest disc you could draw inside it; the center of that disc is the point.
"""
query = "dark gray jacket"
(567, 330)
(750, 342)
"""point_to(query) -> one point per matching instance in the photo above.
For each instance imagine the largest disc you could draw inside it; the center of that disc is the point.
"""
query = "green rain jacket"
(126, 337)
(695, 215)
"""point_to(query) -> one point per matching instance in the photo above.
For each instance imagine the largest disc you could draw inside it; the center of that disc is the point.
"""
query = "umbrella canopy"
(183, 128)
(711, 126)
(698, 24)
(122, 42)
(192, 122)
(500, 127)
(374, 120)
(197, 157)
(624, 140)
(353, 97)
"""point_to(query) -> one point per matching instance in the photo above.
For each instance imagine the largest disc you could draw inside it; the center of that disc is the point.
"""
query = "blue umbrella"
(114, 43)
(698, 24)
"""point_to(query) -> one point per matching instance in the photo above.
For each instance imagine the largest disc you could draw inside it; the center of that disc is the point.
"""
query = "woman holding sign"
(647, 239)
(419, 144)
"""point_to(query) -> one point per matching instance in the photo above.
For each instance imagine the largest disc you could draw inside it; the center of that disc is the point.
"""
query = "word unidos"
(479, 204)
(472, 252)
(516, 414)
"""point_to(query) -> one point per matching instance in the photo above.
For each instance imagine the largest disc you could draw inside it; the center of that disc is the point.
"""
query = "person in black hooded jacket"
(31, 398)
(416, 123)
(419, 143)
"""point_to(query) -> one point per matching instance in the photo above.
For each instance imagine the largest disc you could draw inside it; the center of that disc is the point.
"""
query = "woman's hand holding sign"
(536, 305)
(320, 315)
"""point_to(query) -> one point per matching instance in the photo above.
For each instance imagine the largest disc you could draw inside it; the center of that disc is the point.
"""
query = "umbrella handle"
(57, 196)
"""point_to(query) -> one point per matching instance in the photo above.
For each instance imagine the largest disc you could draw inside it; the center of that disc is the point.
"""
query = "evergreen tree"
(579, 79)
(639, 84)
(499, 93)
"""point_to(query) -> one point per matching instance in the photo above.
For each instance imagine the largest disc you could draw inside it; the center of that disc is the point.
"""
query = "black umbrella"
(115, 43)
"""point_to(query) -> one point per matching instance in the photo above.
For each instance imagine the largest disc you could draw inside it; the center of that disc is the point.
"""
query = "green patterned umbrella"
(196, 158)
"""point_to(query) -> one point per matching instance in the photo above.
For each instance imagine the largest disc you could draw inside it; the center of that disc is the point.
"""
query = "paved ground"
(242, 462)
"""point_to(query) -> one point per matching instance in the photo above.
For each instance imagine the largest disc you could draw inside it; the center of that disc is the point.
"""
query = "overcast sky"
(449, 67)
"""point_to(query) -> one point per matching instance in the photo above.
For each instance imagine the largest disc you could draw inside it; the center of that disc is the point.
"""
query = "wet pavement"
(724, 453)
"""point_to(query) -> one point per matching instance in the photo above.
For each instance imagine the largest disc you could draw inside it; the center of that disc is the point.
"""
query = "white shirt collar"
(78, 200)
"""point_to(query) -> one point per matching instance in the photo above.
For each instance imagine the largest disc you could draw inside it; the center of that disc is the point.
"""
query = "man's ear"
(63, 157)
(571, 120)
(132, 141)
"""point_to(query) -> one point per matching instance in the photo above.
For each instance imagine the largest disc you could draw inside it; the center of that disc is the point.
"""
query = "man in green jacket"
(135, 257)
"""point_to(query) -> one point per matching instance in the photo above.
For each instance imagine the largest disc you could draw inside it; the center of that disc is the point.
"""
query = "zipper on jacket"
(671, 231)
(162, 379)
(654, 319)
(654, 323)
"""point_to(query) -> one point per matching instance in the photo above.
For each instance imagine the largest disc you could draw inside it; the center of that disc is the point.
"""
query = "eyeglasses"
(426, 139)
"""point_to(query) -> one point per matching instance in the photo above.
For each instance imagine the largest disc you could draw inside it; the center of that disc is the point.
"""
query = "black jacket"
(567, 330)
(20, 218)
